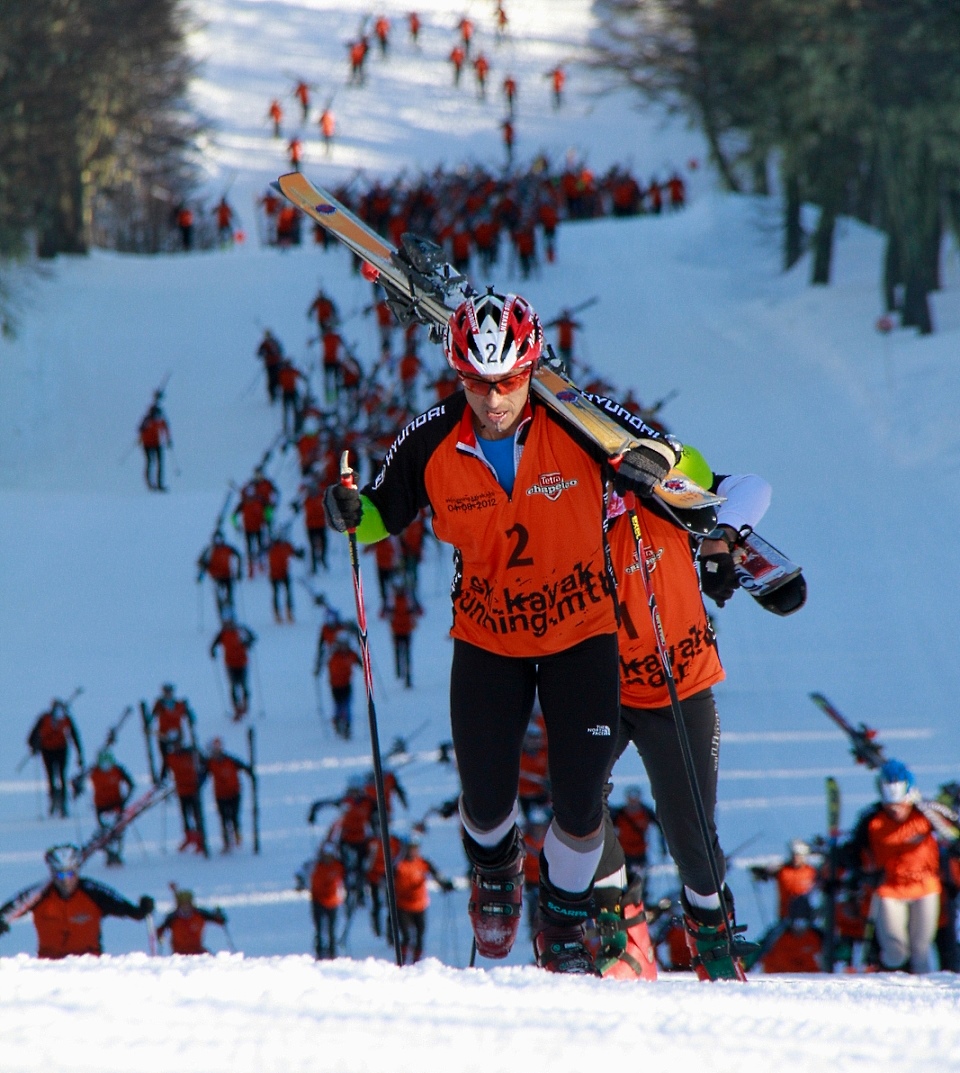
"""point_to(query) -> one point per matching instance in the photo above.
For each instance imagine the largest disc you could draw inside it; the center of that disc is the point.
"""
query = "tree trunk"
(63, 229)
(892, 274)
(823, 246)
(916, 303)
(793, 235)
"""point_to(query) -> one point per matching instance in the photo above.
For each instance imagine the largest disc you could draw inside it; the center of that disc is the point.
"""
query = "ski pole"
(346, 479)
(630, 502)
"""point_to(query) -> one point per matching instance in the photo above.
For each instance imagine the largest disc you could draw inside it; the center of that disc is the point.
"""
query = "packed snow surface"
(857, 433)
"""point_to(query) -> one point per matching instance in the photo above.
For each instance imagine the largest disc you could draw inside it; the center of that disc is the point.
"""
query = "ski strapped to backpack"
(420, 285)
(866, 750)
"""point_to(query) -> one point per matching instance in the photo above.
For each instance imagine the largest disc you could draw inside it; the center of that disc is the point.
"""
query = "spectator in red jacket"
(236, 641)
(224, 771)
(279, 556)
(51, 736)
(187, 922)
(154, 434)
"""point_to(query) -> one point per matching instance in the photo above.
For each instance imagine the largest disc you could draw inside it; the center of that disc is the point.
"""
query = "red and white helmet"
(492, 334)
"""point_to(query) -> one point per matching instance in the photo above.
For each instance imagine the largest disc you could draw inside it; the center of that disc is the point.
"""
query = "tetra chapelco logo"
(550, 485)
(325, 209)
(567, 395)
(676, 484)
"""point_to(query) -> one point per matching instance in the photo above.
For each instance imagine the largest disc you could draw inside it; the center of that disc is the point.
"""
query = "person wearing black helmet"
(522, 499)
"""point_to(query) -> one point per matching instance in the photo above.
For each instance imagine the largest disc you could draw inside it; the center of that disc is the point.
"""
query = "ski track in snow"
(856, 432)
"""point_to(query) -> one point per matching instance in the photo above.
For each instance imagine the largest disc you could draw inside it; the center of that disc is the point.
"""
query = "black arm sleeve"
(109, 902)
(399, 490)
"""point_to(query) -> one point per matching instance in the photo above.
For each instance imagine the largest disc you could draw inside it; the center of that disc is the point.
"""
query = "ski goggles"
(505, 385)
(62, 877)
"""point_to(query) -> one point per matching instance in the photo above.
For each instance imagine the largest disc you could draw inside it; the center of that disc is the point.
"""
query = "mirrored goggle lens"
(476, 386)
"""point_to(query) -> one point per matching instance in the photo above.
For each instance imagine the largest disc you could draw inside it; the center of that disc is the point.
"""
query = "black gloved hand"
(342, 507)
(146, 905)
(718, 579)
(4, 926)
(642, 467)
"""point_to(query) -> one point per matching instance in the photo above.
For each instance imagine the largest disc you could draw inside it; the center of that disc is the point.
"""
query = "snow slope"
(856, 432)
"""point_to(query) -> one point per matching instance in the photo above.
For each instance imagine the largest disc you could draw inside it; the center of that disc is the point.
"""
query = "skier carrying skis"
(897, 840)
(154, 435)
(646, 715)
(186, 923)
(69, 913)
(112, 787)
(224, 770)
(464, 459)
(51, 736)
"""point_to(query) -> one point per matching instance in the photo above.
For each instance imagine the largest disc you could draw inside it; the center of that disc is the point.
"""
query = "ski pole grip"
(346, 473)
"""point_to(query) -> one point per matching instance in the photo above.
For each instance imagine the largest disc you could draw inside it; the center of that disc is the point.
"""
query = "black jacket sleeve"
(109, 902)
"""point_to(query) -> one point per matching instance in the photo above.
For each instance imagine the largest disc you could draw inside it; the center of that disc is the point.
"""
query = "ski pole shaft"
(26, 760)
(347, 480)
(683, 738)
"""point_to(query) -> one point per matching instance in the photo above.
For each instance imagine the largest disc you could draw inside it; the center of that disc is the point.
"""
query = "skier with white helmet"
(522, 499)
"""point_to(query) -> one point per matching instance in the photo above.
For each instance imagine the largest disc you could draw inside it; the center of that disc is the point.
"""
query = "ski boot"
(707, 941)
(624, 950)
(559, 940)
(496, 896)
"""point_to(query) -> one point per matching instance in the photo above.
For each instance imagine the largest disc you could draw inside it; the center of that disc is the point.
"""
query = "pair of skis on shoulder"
(866, 750)
(420, 285)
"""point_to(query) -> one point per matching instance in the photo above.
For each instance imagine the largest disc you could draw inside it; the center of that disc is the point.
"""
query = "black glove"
(446, 886)
(4, 926)
(640, 470)
(146, 906)
(219, 916)
(342, 507)
(759, 872)
(718, 579)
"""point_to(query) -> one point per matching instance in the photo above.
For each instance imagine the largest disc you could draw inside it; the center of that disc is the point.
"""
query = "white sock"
(571, 862)
(489, 839)
(702, 901)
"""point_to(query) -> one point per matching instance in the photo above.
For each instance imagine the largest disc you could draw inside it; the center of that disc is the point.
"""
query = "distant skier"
(481, 68)
(224, 215)
(340, 666)
(69, 914)
(275, 115)
(295, 153)
(328, 127)
(279, 554)
(224, 563)
(403, 612)
(224, 770)
(187, 766)
(186, 924)
(112, 787)
(173, 719)
(558, 79)
(236, 640)
(457, 57)
(796, 877)
(324, 878)
(381, 30)
(410, 874)
(270, 353)
(51, 736)
(301, 91)
(154, 436)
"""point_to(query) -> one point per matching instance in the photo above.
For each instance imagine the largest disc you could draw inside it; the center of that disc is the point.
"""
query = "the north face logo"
(550, 485)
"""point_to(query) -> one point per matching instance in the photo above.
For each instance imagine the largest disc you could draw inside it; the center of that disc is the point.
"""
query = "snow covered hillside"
(857, 433)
